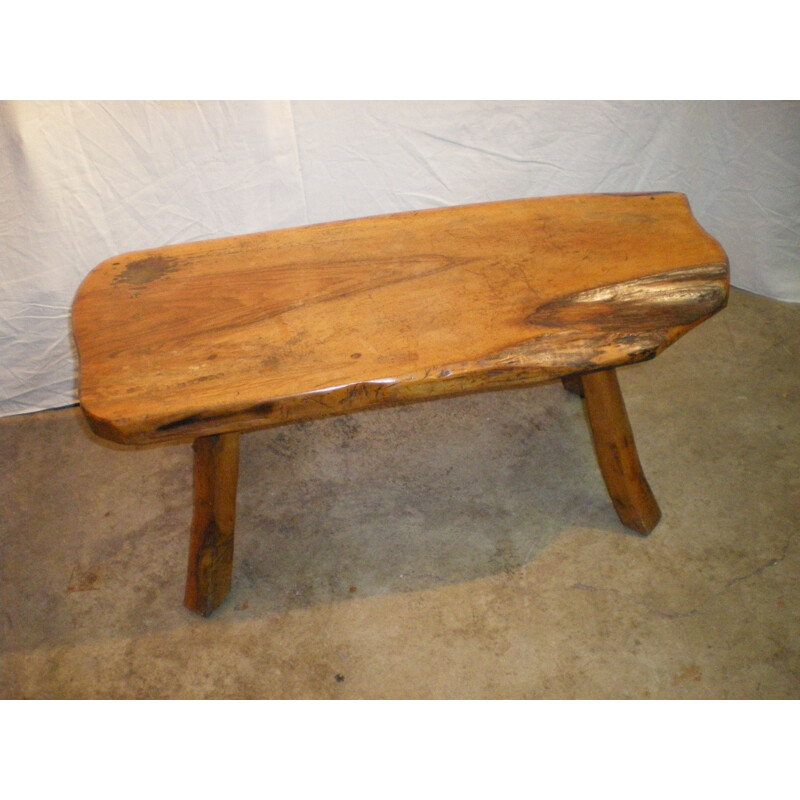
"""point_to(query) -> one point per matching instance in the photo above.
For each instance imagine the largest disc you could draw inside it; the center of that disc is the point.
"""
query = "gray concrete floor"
(463, 548)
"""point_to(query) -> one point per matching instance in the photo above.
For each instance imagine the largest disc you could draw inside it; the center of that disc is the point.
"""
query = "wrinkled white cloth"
(82, 181)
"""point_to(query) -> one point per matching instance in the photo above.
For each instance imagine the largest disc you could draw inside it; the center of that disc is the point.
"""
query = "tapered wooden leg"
(216, 471)
(616, 452)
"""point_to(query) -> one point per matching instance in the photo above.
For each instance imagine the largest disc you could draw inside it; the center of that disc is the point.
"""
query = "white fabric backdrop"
(84, 181)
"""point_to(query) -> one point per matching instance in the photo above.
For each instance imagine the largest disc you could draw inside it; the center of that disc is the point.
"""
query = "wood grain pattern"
(266, 329)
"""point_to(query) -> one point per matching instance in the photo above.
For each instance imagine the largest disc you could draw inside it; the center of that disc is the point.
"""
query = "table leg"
(216, 470)
(616, 452)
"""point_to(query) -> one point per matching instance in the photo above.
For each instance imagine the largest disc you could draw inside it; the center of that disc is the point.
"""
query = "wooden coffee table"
(208, 340)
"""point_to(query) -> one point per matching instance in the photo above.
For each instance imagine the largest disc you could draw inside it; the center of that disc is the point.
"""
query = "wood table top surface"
(270, 328)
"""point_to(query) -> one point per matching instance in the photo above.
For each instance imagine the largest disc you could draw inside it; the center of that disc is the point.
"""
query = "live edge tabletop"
(211, 339)
(258, 330)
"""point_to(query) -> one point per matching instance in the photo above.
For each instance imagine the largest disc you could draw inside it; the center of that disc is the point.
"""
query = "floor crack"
(771, 563)
(584, 587)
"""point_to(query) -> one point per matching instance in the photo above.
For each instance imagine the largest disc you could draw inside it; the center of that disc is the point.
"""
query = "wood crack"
(680, 297)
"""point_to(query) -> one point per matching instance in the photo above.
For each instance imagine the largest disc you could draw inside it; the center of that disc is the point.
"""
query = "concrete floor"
(464, 548)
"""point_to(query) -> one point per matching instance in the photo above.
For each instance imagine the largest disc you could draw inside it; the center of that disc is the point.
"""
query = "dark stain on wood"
(146, 270)
(186, 421)
(259, 410)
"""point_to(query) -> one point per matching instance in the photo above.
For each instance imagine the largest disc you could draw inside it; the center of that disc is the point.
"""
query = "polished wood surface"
(251, 331)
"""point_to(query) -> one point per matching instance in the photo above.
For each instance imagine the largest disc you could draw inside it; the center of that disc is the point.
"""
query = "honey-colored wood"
(616, 452)
(216, 469)
(251, 331)
(204, 341)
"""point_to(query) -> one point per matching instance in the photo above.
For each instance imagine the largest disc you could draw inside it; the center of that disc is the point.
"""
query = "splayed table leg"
(216, 470)
(616, 452)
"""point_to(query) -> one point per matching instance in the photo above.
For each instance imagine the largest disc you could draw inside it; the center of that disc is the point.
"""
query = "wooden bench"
(208, 340)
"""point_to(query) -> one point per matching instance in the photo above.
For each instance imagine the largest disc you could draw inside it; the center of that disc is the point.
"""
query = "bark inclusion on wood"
(657, 301)
(603, 327)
